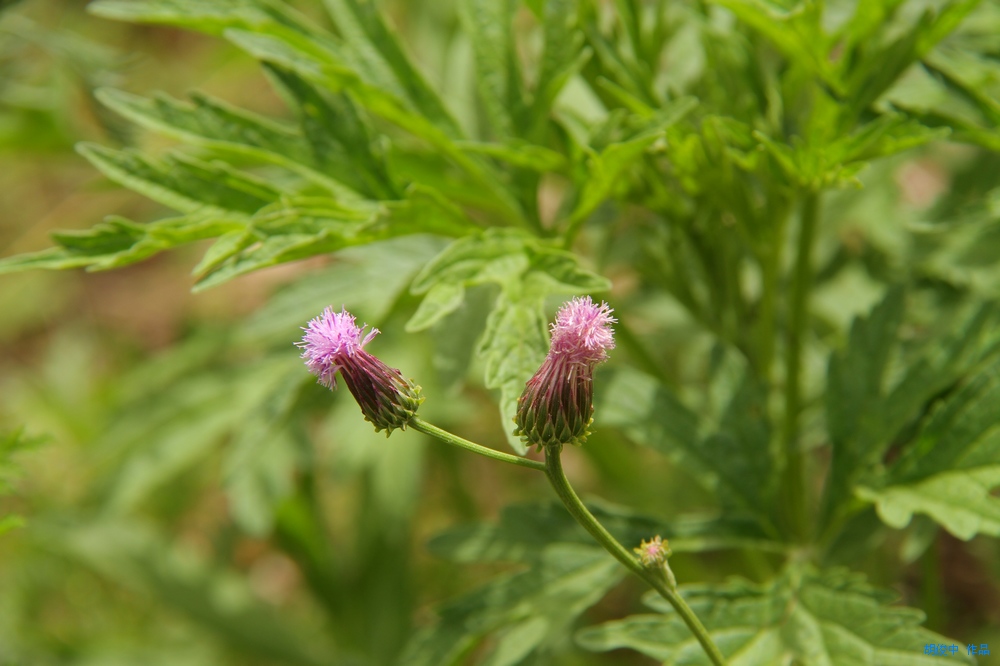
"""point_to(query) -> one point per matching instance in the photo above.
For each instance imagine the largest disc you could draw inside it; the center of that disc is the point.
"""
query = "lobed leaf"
(490, 24)
(865, 412)
(530, 611)
(949, 471)
(814, 618)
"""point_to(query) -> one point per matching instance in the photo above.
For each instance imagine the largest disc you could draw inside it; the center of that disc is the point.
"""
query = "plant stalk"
(554, 470)
(793, 481)
(428, 429)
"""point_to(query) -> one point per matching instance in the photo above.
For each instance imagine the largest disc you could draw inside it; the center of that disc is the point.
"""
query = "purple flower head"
(557, 403)
(582, 331)
(333, 342)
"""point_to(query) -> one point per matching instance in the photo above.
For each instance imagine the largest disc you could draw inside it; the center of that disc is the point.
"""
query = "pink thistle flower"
(557, 403)
(332, 343)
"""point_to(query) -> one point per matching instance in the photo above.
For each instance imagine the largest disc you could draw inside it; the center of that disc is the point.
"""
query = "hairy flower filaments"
(557, 403)
(334, 342)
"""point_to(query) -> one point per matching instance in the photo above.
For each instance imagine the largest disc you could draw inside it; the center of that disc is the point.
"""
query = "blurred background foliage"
(197, 500)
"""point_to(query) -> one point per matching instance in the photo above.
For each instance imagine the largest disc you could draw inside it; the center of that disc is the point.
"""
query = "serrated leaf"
(865, 411)
(184, 183)
(561, 59)
(605, 169)
(796, 32)
(877, 70)
(889, 134)
(303, 227)
(373, 40)
(440, 301)
(855, 379)
(512, 348)
(537, 606)
(118, 242)
(214, 124)
(490, 24)
(338, 139)
(949, 471)
(828, 618)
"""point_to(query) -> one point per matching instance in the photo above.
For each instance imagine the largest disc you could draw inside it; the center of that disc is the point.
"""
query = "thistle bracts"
(556, 406)
(653, 555)
(334, 342)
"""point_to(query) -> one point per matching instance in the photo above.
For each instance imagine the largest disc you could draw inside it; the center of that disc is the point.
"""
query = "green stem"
(793, 483)
(448, 438)
(554, 470)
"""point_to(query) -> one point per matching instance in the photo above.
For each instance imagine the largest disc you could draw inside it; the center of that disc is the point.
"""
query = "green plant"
(821, 359)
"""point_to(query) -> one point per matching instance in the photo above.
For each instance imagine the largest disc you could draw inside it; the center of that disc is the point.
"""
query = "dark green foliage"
(806, 359)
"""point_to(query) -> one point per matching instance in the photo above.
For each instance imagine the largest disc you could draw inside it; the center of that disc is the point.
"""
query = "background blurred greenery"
(173, 512)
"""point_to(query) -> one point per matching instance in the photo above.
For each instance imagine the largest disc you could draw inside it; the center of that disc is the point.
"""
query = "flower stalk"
(650, 565)
(658, 581)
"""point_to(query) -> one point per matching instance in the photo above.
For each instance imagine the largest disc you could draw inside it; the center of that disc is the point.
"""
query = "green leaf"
(211, 16)
(795, 32)
(519, 154)
(118, 242)
(888, 134)
(215, 125)
(303, 227)
(865, 411)
(513, 346)
(875, 71)
(562, 56)
(212, 599)
(605, 169)
(338, 139)
(828, 618)
(441, 300)
(363, 27)
(12, 443)
(531, 611)
(490, 24)
(949, 471)
(855, 414)
(732, 457)
(184, 183)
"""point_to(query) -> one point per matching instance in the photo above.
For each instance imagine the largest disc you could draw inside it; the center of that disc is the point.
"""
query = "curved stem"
(554, 470)
(448, 438)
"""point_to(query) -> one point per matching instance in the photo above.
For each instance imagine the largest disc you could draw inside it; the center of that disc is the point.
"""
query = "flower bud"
(557, 403)
(334, 342)
(653, 555)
